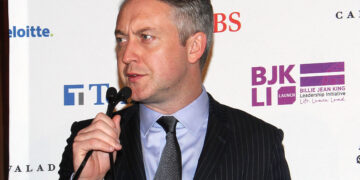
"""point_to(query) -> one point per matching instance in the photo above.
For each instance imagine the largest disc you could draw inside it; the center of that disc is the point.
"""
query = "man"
(162, 46)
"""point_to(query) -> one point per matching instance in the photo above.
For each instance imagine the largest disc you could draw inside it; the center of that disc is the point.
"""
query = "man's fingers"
(101, 125)
(105, 118)
(93, 144)
(117, 120)
(102, 136)
(98, 136)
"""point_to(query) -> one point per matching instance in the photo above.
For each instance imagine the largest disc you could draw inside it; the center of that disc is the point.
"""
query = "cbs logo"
(227, 22)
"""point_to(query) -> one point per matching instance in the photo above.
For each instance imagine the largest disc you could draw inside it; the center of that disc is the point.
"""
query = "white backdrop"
(63, 55)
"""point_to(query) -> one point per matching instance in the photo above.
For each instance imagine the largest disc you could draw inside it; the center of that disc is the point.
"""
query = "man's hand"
(102, 136)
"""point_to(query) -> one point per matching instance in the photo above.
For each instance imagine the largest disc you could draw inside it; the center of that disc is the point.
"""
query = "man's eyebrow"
(140, 31)
(119, 32)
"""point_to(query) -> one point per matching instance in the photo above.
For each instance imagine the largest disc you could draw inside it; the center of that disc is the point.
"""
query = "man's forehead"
(143, 15)
(144, 6)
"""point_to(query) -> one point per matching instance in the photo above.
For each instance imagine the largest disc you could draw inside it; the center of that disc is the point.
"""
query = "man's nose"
(130, 52)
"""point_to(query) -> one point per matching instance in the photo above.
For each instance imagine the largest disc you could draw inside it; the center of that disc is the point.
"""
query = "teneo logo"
(75, 94)
(226, 22)
(27, 168)
(318, 83)
(30, 32)
(280, 75)
(349, 14)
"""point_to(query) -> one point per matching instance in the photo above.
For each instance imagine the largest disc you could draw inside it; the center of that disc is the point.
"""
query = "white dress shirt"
(190, 132)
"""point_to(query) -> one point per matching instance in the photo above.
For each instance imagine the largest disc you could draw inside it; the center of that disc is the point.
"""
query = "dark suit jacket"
(237, 146)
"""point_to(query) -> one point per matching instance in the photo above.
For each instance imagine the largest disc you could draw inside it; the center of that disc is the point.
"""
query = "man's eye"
(120, 40)
(147, 37)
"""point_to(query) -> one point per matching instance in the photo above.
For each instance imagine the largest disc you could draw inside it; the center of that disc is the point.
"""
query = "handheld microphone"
(113, 99)
(122, 95)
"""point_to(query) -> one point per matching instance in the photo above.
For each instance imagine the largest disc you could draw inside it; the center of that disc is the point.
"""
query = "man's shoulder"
(256, 142)
(240, 120)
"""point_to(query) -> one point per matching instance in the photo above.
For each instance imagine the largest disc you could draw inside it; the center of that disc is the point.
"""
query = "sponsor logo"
(280, 75)
(227, 22)
(348, 14)
(29, 32)
(318, 83)
(27, 168)
(322, 82)
(75, 94)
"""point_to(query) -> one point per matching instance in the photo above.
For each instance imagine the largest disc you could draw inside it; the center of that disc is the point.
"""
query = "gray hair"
(192, 16)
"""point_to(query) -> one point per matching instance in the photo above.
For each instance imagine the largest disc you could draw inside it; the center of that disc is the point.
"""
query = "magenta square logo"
(286, 95)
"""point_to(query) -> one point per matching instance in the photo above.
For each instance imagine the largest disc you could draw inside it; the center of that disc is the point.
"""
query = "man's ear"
(196, 46)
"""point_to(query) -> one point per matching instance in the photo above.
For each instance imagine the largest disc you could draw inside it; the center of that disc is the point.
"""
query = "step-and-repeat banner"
(294, 64)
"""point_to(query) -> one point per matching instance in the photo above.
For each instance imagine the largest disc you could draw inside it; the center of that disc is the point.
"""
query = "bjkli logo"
(323, 69)
(30, 31)
(349, 14)
(319, 83)
(286, 94)
(75, 94)
(230, 22)
(322, 82)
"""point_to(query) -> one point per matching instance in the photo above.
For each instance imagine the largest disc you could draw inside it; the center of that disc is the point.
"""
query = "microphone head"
(125, 93)
(111, 93)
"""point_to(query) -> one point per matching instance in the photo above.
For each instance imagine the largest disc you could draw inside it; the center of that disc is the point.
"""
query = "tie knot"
(168, 123)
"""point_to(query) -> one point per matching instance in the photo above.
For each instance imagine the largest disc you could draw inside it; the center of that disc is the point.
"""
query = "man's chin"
(143, 95)
(137, 97)
(143, 99)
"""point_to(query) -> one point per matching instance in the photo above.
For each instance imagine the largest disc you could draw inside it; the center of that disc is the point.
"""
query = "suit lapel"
(133, 146)
(215, 142)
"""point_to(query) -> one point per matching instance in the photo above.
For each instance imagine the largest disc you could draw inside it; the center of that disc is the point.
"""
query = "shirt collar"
(192, 116)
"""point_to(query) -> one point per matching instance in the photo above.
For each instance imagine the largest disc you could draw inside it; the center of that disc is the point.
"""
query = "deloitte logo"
(30, 31)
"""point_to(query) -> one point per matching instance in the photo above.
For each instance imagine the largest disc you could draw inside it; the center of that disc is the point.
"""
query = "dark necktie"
(170, 162)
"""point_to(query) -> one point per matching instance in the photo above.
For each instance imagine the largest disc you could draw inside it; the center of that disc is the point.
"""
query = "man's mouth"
(133, 77)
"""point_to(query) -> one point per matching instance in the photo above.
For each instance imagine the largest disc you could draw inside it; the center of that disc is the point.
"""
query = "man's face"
(151, 59)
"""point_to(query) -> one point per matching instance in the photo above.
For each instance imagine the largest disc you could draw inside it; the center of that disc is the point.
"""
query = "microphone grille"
(111, 93)
(125, 92)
